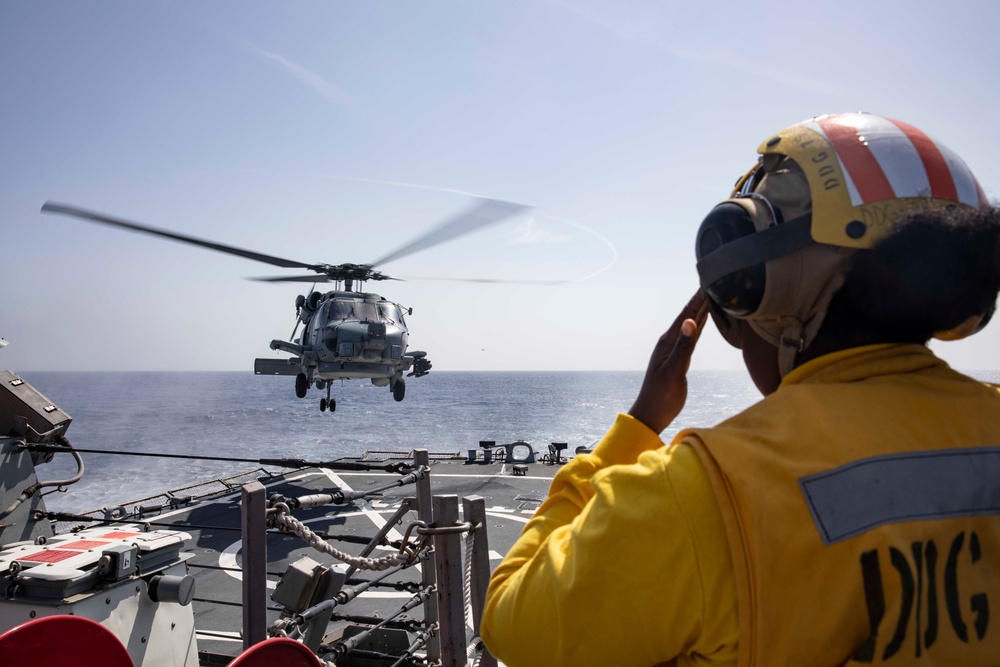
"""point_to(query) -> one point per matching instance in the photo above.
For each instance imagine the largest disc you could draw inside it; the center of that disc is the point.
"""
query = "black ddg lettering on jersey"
(918, 575)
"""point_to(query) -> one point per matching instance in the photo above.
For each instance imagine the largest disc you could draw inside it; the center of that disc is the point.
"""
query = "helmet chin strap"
(791, 345)
(786, 335)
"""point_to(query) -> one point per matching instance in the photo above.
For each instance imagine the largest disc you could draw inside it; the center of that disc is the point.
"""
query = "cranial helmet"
(776, 252)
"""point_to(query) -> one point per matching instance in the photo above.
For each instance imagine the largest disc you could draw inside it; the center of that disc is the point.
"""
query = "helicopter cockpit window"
(366, 311)
(343, 310)
(390, 312)
(350, 309)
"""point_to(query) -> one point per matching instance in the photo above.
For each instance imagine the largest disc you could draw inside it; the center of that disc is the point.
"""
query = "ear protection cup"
(740, 292)
(726, 325)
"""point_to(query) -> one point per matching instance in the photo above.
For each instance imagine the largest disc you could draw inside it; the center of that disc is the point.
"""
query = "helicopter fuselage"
(352, 335)
(348, 335)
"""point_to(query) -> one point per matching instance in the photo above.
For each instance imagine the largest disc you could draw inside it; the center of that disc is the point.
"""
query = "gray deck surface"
(215, 528)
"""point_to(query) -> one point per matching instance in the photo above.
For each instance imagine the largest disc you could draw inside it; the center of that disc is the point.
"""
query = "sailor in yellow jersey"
(851, 516)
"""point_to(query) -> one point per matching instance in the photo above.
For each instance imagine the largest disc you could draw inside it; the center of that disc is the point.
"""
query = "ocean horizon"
(238, 415)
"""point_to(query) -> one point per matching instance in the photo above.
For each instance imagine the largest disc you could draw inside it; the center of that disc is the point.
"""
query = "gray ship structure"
(378, 560)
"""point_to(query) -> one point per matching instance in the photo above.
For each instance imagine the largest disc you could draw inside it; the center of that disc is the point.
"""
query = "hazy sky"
(337, 131)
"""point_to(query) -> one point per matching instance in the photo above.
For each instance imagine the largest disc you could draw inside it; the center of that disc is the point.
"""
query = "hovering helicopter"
(346, 333)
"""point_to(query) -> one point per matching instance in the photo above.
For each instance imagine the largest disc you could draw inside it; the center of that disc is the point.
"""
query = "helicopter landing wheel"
(301, 385)
(327, 402)
(399, 389)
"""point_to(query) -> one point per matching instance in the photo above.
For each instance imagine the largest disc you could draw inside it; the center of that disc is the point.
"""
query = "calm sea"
(240, 415)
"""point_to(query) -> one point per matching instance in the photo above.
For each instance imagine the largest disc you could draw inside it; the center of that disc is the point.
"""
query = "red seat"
(277, 651)
(70, 641)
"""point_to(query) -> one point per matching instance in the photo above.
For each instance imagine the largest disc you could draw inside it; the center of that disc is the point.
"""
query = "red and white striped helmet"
(864, 170)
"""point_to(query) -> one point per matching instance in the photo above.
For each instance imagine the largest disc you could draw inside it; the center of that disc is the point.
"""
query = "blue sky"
(337, 131)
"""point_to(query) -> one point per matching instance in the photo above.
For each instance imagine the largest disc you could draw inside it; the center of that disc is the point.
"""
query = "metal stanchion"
(474, 508)
(425, 513)
(254, 506)
(448, 567)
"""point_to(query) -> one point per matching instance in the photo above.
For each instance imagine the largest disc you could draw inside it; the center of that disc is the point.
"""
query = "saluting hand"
(664, 389)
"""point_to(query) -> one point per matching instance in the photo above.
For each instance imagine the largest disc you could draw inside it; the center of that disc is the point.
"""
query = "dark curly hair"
(939, 268)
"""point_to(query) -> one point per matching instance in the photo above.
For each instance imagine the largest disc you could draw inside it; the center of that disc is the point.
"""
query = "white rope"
(474, 645)
(469, 544)
(289, 523)
(474, 652)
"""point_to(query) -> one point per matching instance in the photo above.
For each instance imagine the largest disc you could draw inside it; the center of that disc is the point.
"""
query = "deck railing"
(451, 591)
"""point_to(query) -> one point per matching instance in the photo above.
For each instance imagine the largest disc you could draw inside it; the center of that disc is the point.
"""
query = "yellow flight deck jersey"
(848, 518)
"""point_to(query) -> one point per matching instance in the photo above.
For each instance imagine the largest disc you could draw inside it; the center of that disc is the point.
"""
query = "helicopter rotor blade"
(73, 211)
(485, 212)
(484, 280)
(294, 279)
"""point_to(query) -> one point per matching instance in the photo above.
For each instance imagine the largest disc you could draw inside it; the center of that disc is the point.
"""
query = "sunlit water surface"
(239, 415)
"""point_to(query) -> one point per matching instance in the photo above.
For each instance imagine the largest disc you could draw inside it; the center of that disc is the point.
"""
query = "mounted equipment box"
(20, 399)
